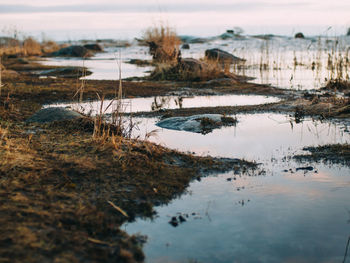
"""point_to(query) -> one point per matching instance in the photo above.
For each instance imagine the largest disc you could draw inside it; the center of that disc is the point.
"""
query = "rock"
(94, 47)
(222, 56)
(193, 40)
(264, 37)
(54, 114)
(307, 168)
(72, 51)
(174, 222)
(227, 35)
(66, 72)
(182, 219)
(185, 46)
(161, 53)
(348, 33)
(299, 35)
(191, 64)
(203, 123)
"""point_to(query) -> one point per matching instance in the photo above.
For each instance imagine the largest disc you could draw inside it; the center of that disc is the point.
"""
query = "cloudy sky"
(103, 18)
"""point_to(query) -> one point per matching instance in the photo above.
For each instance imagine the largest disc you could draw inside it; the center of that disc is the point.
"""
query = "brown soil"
(64, 194)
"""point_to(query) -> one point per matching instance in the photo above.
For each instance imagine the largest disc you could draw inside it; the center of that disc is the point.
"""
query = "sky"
(75, 19)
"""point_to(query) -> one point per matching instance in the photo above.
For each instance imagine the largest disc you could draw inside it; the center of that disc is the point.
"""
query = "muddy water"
(286, 215)
(170, 102)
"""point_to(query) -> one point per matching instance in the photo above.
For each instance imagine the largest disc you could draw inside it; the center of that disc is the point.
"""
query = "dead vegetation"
(64, 193)
(169, 65)
(163, 44)
(28, 47)
(329, 154)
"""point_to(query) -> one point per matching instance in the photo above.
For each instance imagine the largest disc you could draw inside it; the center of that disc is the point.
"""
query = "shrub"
(163, 44)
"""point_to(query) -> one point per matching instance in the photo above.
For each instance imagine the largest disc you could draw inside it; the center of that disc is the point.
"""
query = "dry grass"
(192, 70)
(27, 47)
(49, 46)
(163, 43)
(31, 47)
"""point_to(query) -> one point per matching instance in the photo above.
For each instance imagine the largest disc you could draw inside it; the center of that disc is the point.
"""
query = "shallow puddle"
(258, 137)
(105, 65)
(170, 102)
(286, 215)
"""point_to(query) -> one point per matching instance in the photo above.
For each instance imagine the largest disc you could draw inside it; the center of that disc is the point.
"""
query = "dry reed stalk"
(1, 85)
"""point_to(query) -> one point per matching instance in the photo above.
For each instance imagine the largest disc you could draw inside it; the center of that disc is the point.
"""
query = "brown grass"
(164, 43)
(202, 70)
(31, 47)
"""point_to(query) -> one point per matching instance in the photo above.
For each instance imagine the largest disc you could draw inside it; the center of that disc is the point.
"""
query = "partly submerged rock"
(66, 72)
(185, 46)
(348, 33)
(202, 123)
(222, 56)
(93, 47)
(299, 35)
(72, 51)
(54, 114)
(227, 35)
(193, 40)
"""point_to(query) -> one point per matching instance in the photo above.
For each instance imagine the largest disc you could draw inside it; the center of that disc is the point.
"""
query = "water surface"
(285, 215)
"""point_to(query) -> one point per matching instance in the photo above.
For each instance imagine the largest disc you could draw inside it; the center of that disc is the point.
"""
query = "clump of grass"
(163, 44)
(338, 85)
(191, 70)
(49, 46)
(31, 47)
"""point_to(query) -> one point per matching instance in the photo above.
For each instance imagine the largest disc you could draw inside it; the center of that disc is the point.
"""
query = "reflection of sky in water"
(256, 137)
(170, 102)
(286, 216)
(282, 220)
(289, 61)
(105, 66)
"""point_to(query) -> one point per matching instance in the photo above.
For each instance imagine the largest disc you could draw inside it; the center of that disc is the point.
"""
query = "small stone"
(182, 219)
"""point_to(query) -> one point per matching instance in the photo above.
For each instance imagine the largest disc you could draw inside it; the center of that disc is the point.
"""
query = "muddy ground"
(64, 194)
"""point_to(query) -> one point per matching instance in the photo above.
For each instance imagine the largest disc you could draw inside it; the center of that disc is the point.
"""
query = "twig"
(96, 241)
(118, 209)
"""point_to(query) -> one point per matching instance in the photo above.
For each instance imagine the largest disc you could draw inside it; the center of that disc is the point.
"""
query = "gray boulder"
(72, 51)
(54, 114)
(191, 64)
(202, 123)
(93, 47)
(222, 56)
(299, 35)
